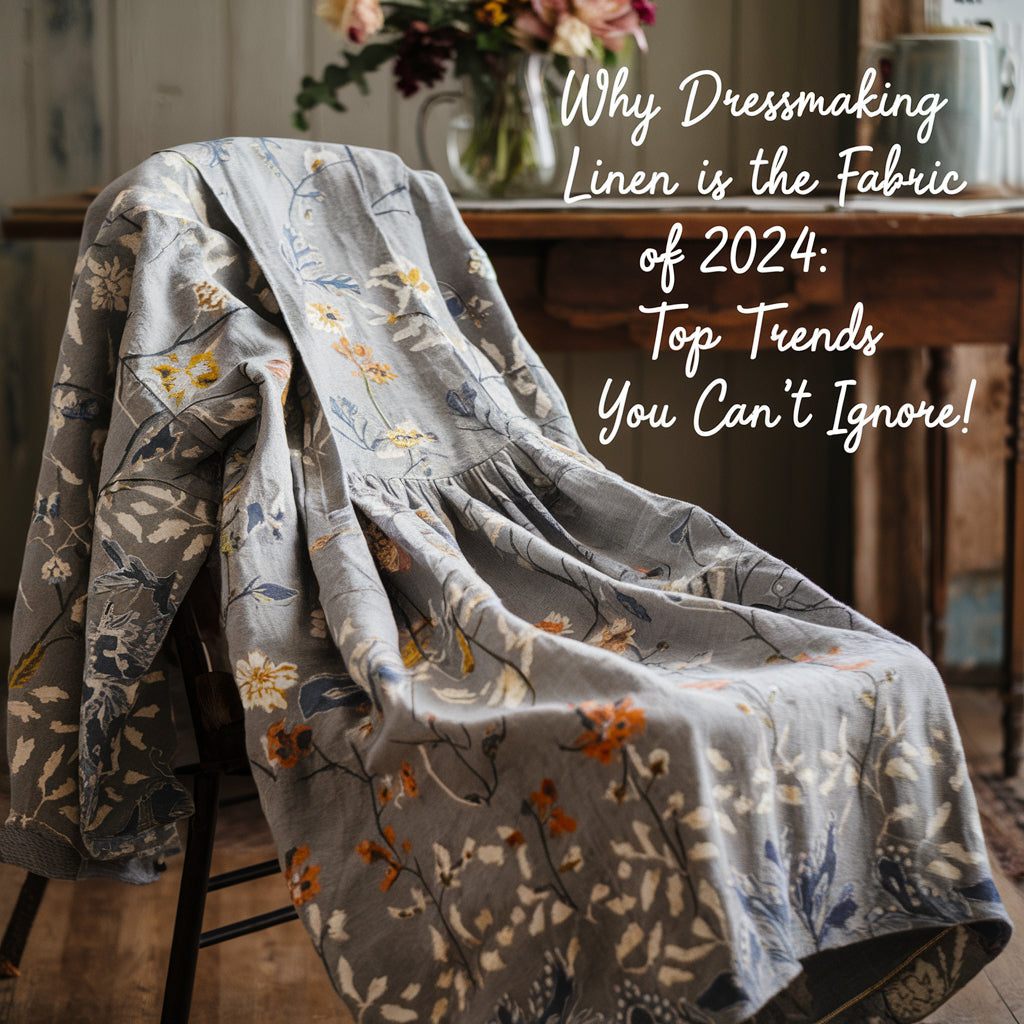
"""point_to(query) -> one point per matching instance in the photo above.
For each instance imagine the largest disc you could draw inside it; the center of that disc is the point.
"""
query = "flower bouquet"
(495, 48)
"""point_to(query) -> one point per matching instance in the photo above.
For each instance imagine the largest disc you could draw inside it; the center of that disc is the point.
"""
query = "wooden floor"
(98, 952)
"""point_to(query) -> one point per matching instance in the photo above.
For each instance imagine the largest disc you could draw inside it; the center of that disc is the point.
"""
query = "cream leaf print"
(111, 284)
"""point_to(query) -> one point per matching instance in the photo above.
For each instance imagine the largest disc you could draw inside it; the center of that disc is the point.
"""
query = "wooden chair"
(216, 712)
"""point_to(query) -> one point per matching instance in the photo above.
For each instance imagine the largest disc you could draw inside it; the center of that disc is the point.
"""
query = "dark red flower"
(645, 10)
(423, 55)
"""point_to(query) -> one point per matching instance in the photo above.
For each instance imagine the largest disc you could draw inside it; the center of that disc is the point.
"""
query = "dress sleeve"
(154, 379)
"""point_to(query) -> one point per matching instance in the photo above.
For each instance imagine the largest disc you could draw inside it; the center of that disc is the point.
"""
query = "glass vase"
(502, 140)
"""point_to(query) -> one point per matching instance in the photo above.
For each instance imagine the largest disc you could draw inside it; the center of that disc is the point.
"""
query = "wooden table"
(925, 281)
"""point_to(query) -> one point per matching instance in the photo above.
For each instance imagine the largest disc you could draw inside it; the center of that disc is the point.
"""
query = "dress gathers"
(535, 744)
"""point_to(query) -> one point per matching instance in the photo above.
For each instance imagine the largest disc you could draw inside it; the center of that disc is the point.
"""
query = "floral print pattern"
(534, 745)
(111, 284)
(183, 381)
(261, 683)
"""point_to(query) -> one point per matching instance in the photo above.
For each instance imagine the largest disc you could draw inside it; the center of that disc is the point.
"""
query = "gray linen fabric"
(535, 744)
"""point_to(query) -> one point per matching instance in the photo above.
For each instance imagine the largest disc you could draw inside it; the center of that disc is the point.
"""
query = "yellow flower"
(177, 380)
(379, 373)
(492, 13)
(261, 683)
(414, 280)
(209, 296)
(324, 317)
(407, 436)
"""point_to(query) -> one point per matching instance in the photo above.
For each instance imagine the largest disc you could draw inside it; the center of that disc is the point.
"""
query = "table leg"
(1013, 590)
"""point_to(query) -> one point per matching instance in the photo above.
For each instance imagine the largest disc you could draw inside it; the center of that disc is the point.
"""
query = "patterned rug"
(1001, 804)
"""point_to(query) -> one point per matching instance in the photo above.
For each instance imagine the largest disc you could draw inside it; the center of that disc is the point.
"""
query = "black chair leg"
(188, 922)
(20, 924)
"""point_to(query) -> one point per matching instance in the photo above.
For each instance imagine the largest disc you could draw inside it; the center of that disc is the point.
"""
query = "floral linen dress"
(535, 745)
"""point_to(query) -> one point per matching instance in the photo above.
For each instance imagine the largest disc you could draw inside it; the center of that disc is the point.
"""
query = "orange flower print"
(286, 749)
(559, 822)
(829, 659)
(608, 726)
(379, 373)
(615, 637)
(554, 622)
(362, 356)
(281, 369)
(544, 797)
(302, 878)
(409, 780)
(372, 852)
(543, 800)
(705, 684)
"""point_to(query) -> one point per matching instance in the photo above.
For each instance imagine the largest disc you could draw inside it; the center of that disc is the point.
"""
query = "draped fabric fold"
(534, 744)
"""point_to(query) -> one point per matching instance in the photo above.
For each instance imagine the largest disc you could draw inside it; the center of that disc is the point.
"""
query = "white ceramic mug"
(974, 76)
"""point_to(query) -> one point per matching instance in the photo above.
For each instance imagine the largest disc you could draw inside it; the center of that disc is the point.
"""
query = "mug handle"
(1008, 81)
(426, 107)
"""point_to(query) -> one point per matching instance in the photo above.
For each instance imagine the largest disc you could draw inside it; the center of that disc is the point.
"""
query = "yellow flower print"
(111, 284)
(414, 279)
(615, 637)
(379, 373)
(209, 296)
(178, 381)
(362, 356)
(324, 317)
(261, 683)
(315, 160)
(405, 435)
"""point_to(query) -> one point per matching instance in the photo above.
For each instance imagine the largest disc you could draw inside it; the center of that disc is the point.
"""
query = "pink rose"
(610, 21)
(559, 24)
(355, 19)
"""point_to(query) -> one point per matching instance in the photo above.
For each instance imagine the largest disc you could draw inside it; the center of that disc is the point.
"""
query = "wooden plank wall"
(890, 479)
(91, 87)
